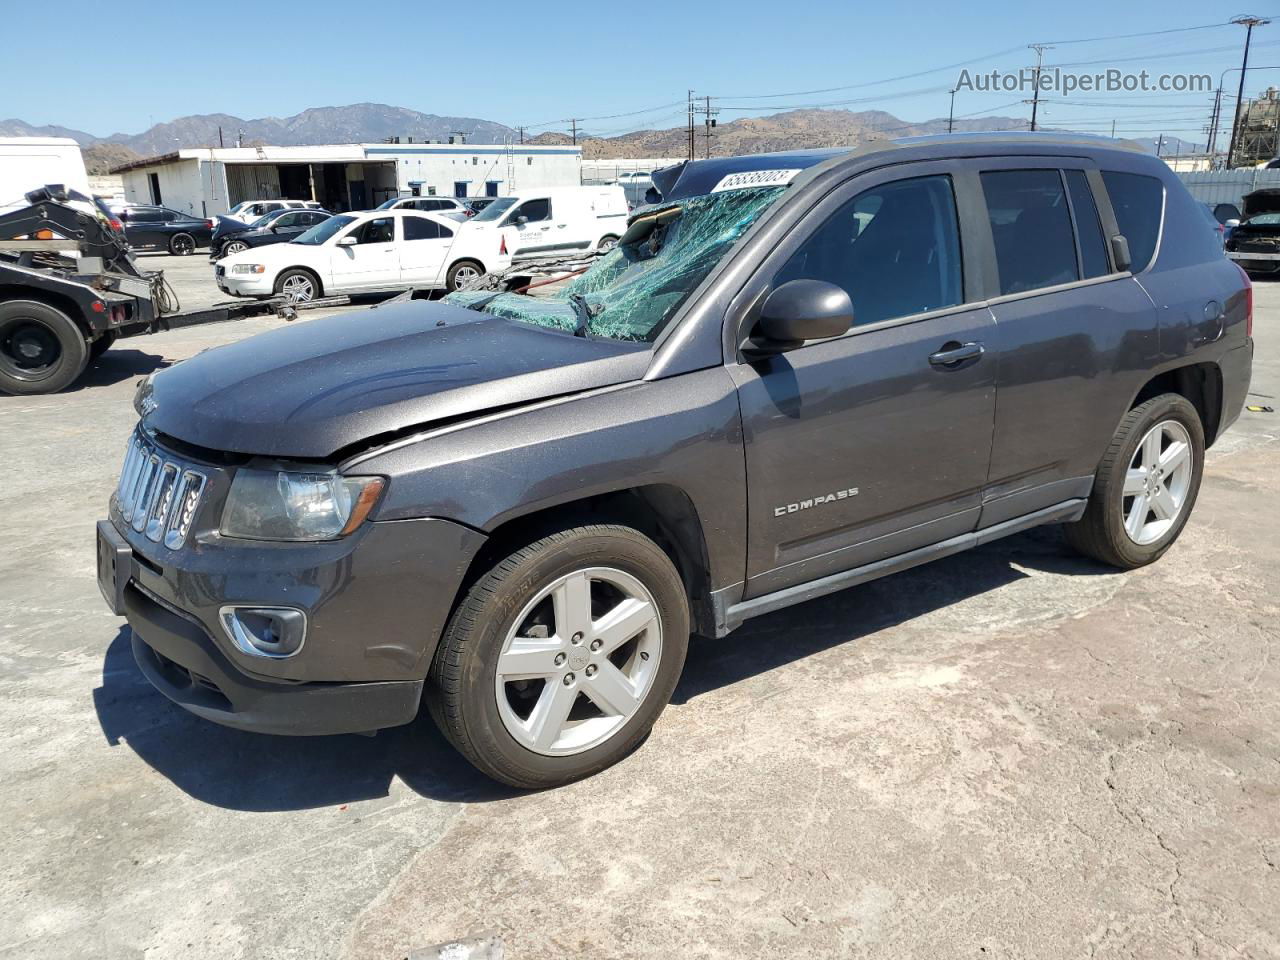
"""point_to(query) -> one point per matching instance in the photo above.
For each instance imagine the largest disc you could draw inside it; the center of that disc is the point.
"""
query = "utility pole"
(691, 125)
(1039, 48)
(219, 134)
(1214, 115)
(1159, 144)
(951, 114)
(1113, 129)
(710, 124)
(574, 125)
(1248, 23)
(520, 130)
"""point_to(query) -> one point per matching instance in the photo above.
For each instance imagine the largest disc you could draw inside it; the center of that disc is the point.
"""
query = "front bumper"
(180, 660)
(375, 605)
(1255, 262)
(244, 284)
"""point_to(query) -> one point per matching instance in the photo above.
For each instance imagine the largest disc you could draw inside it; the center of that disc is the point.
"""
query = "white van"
(30, 162)
(554, 221)
(247, 211)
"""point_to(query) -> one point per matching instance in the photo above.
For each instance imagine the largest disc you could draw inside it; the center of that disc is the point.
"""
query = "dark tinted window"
(1138, 202)
(144, 216)
(288, 220)
(895, 249)
(1093, 248)
(311, 219)
(1031, 227)
(420, 228)
(533, 210)
(381, 230)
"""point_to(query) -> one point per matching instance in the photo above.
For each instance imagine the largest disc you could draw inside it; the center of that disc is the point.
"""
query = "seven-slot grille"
(157, 496)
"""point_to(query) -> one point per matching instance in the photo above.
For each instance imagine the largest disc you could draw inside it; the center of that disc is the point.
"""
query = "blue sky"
(530, 63)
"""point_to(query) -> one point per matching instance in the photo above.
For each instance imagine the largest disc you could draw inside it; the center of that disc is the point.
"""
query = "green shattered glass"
(632, 291)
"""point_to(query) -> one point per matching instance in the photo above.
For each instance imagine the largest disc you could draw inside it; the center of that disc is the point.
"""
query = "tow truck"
(70, 287)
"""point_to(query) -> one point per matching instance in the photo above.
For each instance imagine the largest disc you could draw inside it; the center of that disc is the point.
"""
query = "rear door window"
(1031, 228)
(1138, 202)
(895, 249)
(420, 228)
(1093, 248)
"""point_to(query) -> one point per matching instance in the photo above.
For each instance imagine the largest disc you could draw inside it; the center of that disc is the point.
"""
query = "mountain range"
(374, 122)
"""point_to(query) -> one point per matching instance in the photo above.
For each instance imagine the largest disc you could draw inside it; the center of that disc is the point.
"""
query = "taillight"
(502, 250)
(209, 224)
(116, 225)
(1248, 301)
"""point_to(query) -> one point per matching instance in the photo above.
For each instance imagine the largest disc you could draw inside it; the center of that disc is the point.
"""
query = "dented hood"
(313, 388)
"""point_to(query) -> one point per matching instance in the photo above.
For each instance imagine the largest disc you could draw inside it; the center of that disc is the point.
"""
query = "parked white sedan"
(382, 250)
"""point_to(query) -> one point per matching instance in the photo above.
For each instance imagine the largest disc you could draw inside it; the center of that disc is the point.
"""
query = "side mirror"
(347, 242)
(1120, 252)
(521, 220)
(801, 310)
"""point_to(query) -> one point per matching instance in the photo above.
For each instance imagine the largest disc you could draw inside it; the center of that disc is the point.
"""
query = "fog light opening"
(275, 632)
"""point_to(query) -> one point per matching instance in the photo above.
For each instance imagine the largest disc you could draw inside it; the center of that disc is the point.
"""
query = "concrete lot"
(1009, 753)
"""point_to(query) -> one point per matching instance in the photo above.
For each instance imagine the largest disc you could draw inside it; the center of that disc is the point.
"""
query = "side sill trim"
(738, 613)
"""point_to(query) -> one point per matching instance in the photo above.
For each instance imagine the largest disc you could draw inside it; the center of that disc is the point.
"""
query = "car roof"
(698, 177)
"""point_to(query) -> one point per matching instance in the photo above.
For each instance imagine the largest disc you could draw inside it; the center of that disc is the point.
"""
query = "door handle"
(953, 354)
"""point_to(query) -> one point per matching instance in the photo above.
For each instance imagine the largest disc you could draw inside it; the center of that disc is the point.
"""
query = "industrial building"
(210, 180)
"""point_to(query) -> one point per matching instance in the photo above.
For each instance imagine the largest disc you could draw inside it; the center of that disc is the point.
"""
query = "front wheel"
(300, 286)
(234, 246)
(462, 273)
(1145, 486)
(561, 656)
(182, 244)
(41, 348)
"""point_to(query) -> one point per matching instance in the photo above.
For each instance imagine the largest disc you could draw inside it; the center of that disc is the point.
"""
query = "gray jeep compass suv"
(795, 373)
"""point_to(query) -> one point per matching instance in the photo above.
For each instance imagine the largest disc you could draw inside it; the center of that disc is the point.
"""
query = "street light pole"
(1248, 23)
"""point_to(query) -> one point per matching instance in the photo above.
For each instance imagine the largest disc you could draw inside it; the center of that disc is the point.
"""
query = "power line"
(1131, 36)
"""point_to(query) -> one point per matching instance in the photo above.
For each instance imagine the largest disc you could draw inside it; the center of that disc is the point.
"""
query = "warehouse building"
(211, 180)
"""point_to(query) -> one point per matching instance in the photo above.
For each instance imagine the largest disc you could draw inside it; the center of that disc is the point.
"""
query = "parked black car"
(279, 226)
(1255, 242)
(800, 372)
(159, 228)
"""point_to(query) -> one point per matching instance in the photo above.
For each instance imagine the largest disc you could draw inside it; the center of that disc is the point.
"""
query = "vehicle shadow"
(846, 617)
(117, 365)
(254, 772)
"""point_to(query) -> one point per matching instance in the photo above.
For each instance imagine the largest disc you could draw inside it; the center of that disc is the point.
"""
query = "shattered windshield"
(632, 291)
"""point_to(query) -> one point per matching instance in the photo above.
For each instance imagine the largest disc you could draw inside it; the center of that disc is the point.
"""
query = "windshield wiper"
(583, 310)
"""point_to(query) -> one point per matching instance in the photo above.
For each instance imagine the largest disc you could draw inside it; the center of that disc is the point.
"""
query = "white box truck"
(27, 163)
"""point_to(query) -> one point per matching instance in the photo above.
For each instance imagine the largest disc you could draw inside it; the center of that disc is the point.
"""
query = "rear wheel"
(234, 246)
(1145, 486)
(462, 273)
(300, 286)
(182, 244)
(561, 657)
(41, 348)
(607, 243)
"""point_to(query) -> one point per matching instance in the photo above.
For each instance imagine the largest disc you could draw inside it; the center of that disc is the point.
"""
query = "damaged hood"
(313, 388)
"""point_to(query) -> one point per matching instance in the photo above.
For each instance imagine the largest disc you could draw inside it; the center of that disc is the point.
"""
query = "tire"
(463, 272)
(1111, 530)
(492, 720)
(182, 244)
(101, 346)
(607, 243)
(233, 246)
(300, 286)
(41, 348)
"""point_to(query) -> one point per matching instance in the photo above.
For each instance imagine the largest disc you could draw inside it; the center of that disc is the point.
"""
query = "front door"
(877, 442)
(529, 226)
(371, 263)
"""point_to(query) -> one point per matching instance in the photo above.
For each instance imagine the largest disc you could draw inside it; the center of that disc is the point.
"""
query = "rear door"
(372, 262)
(877, 442)
(147, 227)
(422, 251)
(1072, 332)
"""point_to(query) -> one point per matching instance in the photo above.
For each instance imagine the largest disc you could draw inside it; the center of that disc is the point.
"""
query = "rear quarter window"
(1138, 202)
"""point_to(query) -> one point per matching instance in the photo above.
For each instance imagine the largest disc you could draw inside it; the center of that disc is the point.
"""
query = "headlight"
(275, 505)
(248, 268)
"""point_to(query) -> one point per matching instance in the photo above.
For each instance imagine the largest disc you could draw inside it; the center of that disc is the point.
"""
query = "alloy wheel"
(298, 288)
(183, 245)
(1157, 482)
(235, 246)
(579, 661)
(464, 275)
